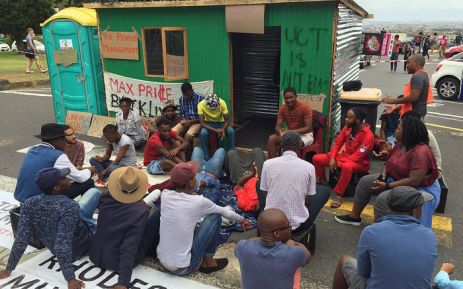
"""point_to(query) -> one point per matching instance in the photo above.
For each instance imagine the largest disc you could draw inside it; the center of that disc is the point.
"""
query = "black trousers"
(78, 189)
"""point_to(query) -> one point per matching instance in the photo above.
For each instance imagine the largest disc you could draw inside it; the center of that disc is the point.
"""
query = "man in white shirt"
(184, 246)
(288, 183)
(48, 154)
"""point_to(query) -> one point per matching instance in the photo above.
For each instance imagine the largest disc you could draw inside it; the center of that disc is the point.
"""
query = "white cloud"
(414, 10)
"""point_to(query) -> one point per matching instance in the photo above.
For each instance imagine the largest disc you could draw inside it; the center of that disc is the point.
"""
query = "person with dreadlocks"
(410, 163)
(288, 183)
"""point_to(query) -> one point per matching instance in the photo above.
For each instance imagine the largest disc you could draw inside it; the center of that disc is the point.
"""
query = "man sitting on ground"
(74, 148)
(163, 150)
(47, 154)
(184, 246)
(168, 115)
(271, 260)
(125, 233)
(123, 145)
(288, 183)
(64, 226)
(395, 252)
(350, 153)
(297, 115)
(189, 126)
(213, 117)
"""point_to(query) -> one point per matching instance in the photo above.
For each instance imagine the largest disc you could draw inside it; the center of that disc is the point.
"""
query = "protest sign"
(79, 121)
(98, 123)
(148, 96)
(119, 45)
(43, 272)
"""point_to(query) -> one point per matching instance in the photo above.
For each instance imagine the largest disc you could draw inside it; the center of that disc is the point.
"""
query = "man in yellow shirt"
(213, 117)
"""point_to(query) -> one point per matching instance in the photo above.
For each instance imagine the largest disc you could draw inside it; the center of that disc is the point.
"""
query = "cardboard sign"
(79, 121)
(245, 18)
(314, 100)
(148, 96)
(119, 45)
(386, 48)
(65, 57)
(43, 271)
(98, 123)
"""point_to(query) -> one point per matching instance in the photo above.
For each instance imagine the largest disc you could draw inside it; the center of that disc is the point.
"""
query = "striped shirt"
(287, 181)
(189, 108)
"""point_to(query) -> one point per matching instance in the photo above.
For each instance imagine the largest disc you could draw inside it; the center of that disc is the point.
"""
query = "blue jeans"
(204, 135)
(205, 242)
(213, 165)
(102, 166)
(154, 167)
(88, 204)
(212, 189)
(429, 208)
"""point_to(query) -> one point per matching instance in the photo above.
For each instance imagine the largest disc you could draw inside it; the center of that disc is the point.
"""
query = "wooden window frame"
(164, 53)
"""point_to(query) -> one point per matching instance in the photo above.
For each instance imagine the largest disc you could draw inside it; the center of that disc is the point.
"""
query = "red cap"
(182, 173)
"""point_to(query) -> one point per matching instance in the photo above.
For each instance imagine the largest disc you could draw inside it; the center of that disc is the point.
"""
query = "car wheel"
(448, 88)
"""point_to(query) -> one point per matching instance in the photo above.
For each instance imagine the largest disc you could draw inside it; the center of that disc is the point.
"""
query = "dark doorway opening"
(256, 85)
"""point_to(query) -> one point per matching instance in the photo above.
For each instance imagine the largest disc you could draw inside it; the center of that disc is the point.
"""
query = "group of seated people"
(179, 221)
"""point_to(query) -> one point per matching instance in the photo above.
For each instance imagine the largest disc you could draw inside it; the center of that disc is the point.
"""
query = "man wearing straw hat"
(126, 230)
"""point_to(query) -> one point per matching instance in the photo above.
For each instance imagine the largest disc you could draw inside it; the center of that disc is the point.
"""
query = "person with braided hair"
(410, 163)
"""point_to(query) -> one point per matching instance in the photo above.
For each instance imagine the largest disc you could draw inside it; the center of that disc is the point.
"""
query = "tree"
(18, 15)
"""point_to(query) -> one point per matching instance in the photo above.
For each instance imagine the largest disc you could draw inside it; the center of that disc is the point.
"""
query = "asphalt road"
(22, 115)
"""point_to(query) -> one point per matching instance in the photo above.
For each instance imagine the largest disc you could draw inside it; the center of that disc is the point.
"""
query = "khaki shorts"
(353, 279)
(191, 131)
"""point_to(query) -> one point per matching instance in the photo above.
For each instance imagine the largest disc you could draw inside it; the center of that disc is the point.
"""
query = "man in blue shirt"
(397, 252)
(64, 226)
(188, 105)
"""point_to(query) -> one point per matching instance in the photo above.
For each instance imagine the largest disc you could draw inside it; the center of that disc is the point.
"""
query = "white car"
(39, 45)
(4, 47)
(447, 78)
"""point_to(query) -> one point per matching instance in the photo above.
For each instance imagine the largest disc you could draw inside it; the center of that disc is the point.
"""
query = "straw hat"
(127, 184)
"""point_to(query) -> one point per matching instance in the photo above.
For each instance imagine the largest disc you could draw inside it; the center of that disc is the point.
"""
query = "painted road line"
(441, 225)
(445, 114)
(445, 127)
(443, 117)
(25, 93)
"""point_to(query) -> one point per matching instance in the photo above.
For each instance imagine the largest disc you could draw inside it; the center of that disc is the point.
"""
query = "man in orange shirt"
(297, 116)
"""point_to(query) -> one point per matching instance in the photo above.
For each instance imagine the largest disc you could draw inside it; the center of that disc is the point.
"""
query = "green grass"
(13, 67)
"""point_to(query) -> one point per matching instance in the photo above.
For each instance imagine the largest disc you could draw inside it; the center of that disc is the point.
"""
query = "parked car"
(452, 51)
(447, 78)
(4, 47)
(39, 45)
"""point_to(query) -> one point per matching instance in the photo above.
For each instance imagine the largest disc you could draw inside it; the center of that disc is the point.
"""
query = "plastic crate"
(14, 218)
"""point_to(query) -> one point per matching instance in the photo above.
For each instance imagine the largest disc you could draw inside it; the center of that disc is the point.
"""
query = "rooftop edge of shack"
(185, 3)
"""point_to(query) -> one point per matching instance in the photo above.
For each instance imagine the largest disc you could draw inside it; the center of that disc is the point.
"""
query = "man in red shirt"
(164, 150)
(298, 117)
(350, 153)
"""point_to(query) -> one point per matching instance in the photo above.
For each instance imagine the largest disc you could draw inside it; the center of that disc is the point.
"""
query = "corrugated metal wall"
(346, 64)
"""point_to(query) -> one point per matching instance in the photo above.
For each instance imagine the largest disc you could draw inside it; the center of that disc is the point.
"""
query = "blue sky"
(414, 10)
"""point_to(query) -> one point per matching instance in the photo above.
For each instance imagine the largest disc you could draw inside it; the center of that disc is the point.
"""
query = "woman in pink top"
(395, 52)
(443, 46)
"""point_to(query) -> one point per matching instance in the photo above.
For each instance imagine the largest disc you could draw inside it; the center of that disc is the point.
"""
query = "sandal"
(336, 203)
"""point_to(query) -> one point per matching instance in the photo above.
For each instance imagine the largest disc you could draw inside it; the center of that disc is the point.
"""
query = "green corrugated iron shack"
(309, 44)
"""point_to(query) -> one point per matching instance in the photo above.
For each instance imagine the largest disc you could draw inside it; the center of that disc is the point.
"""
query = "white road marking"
(25, 93)
(444, 114)
(447, 118)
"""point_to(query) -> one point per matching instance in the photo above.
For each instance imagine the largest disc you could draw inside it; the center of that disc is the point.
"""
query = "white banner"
(148, 95)
(8, 202)
(43, 272)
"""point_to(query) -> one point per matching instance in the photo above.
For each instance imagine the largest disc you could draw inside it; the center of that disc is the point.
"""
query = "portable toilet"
(74, 63)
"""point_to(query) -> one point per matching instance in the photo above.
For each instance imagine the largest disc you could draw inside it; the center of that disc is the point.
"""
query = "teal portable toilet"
(74, 63)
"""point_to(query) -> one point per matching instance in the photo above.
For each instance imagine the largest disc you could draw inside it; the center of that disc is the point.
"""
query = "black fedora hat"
(51, 131)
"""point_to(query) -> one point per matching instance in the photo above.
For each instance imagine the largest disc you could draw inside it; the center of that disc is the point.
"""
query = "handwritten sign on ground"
(43, 272)
(314, 100)
(79, 121)
(149, 96)
(7, 202)
(98, 123)
(119, 45)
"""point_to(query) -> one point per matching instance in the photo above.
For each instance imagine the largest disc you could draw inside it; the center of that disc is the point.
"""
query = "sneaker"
(152, 197)
(347, 219)
(44, 70)
(29, 71)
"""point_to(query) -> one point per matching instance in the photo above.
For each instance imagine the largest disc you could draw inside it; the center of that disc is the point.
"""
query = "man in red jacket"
(350, 153)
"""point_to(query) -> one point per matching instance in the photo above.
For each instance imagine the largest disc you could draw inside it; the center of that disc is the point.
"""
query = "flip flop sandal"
(336, 203)
(221, 263)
